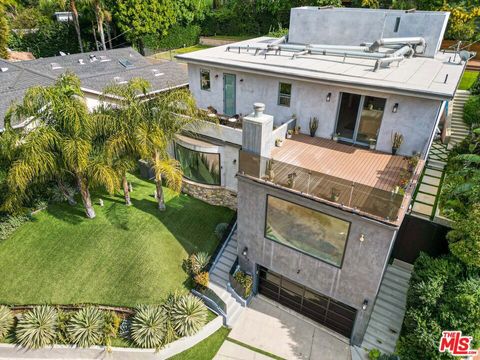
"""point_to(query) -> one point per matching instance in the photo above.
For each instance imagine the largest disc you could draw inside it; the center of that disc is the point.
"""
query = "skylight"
(55, 66)
(126, 63)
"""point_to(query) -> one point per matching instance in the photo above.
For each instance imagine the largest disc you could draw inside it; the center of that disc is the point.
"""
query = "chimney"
(257, 131)
(257, 142)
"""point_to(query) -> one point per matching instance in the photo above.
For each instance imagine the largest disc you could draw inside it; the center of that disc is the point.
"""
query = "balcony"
(368, 182)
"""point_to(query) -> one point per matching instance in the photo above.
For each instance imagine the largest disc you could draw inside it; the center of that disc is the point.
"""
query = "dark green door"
(229, 102)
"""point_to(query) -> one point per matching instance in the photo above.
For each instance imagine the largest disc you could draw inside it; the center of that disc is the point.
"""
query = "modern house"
(321, 193)
(95, 69)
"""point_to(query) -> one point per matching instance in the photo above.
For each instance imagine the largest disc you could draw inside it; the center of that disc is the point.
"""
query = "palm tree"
(76, 23)
(100, 14)
(163, 117)
(62, 143)
(124, 116)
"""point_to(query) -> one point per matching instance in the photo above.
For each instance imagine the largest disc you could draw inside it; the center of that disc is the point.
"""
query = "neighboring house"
(317, 218)
(63, 16)
(95, 70)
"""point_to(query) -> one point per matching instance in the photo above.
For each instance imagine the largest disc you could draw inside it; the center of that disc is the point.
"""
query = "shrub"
(112, 326)
(464, 239)
(63, 318)
(86, 327)
(168, 306)
(178, 36)
(443, 294)
(36, 328)
(9, 224)
(245, 280)
(374, 354)
(220, 230)
(471, 111)
(6, 321)
(198, 262)
(475, 88)
(189, 315)
(148, 326)
(202, 279)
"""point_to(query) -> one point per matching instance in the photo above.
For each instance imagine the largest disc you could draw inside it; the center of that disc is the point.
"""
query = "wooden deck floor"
(363, 166)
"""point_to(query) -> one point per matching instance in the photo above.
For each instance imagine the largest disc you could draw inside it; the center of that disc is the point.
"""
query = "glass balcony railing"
(358, 197)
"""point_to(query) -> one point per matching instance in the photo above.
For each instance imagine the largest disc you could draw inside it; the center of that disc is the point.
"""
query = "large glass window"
(199, 166)
(204, 79)
(310, 231)
(284, 94)
(370, 119)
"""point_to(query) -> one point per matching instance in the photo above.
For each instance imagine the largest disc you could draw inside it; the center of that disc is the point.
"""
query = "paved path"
(266, 326)
(232, 351)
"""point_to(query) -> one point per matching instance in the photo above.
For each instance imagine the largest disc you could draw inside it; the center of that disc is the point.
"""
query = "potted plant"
(297, 130)
(313, 125)
(335, 136)
(278, 142)
(269, 170)
(372, 143)
(335, 195)
(397, 141)
(291, 179)
(289, 134)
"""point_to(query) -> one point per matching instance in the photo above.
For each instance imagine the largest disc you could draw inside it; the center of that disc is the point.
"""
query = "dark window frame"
(202, 72)
(284, 95)
(175, 144)
(300, 250)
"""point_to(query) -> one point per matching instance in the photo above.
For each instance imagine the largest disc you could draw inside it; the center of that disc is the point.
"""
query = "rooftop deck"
(363, 166)
(364, 181)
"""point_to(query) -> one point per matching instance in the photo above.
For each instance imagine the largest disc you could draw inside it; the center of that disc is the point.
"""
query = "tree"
(123, 117)
(63, 142)
(76, 23)
(163, 118)
(4, 35)
(143, 17)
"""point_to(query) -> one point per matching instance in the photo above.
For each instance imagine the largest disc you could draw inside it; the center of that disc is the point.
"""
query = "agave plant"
(86, 327)
(37, 327)
(198, 262)
(6, 321)
(189, 315)
(148, 326)
(220, 230)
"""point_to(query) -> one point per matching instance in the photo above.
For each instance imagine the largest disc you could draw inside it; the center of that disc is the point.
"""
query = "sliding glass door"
(359, 118)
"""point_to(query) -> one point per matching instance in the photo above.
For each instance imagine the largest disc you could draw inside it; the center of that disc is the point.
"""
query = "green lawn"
(125, 256)
(468, 79)
(206, 349)
(170, 55)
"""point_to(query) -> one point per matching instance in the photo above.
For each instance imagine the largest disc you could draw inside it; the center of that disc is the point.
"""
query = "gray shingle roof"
(94, 74)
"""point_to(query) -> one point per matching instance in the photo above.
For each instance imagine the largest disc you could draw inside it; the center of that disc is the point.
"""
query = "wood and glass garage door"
(324, 310)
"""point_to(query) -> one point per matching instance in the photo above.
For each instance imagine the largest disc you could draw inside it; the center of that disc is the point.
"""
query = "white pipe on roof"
(399, 41)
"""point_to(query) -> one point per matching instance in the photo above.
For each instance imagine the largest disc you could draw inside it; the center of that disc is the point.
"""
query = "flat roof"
(418, 76)
(94, 75)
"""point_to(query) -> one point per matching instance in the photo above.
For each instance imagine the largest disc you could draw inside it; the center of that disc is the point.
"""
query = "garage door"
(324, 310)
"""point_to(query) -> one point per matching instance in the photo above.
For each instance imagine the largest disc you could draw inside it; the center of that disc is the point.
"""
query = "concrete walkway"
(232, 351)
(270, 327)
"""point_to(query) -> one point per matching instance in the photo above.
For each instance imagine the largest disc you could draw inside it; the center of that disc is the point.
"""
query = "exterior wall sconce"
(362, 238)
(395, 108)
(245, 251)
(241, 80)
(365, 305)
(216, 76)
(329, 96)
(234, 161)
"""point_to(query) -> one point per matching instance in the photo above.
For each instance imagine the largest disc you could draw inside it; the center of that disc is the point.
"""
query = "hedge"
(178, 36)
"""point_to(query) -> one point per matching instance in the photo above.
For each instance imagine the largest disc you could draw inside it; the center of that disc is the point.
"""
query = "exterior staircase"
(386, 321)
(219, 279)
(459, 130)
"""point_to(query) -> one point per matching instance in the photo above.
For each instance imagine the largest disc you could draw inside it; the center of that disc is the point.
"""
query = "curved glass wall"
(199, 166)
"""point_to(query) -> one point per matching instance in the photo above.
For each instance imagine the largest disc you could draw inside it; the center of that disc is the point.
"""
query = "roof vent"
(126, 63)
(3, 69)
(55, 66)
(103, 58)
(157, 73)
(62, 53)
(92, 57)
(119, 80)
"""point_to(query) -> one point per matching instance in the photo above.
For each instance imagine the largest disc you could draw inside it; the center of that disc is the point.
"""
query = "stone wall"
(215, 195)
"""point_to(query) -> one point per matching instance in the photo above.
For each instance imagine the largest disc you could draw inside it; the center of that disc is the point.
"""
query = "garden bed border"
(10, 351)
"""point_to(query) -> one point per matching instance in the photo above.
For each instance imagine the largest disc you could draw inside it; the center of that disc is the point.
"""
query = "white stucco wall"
(415, 117)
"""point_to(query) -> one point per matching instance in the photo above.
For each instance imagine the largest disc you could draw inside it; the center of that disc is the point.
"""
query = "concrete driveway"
(269, 326)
